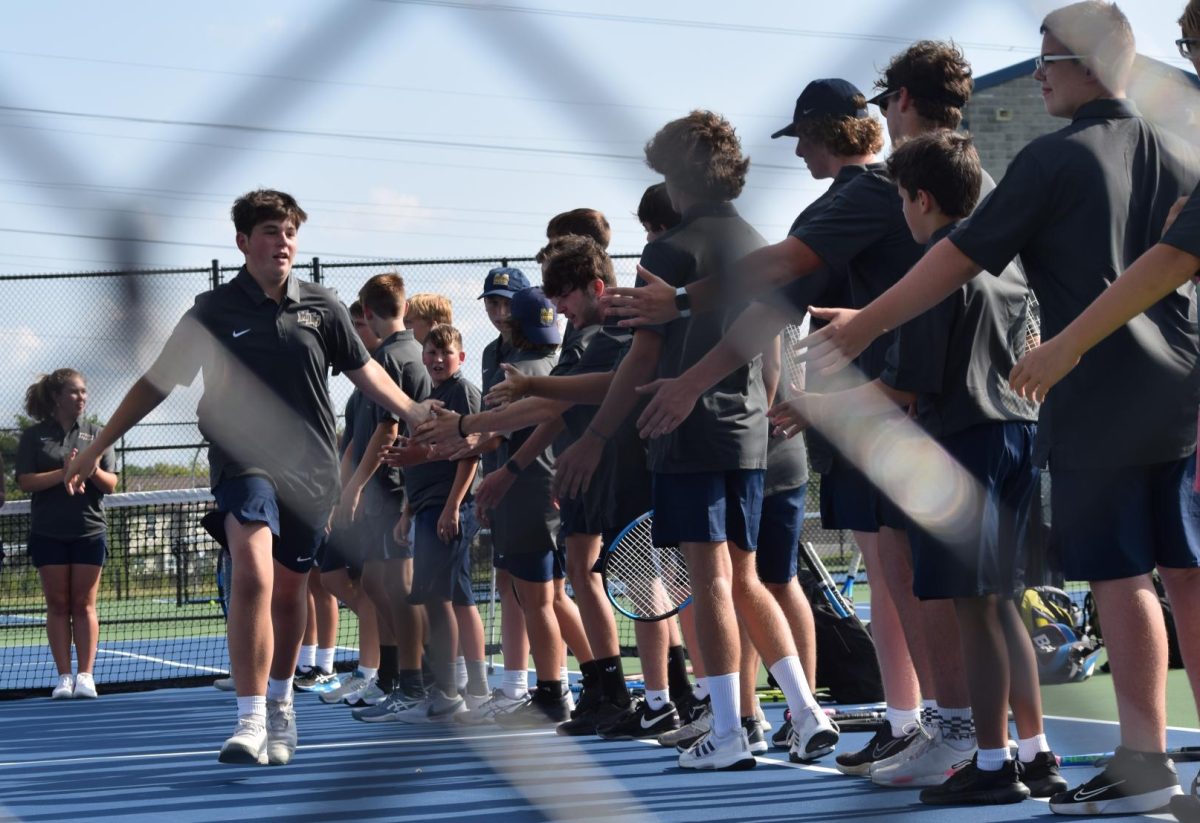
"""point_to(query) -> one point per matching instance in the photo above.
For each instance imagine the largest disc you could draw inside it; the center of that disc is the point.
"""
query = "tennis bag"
(1065, 647)
(846, 663)
(1174, 656)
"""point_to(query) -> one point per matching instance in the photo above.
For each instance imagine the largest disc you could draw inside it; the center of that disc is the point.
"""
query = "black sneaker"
(536, 712)
(972, 786)
(641, 721)
(586, 722)
(754, 735)
(688, 707)
(782, 739)
(1132, 783)
(590, 699)
(1042, 776)
(315, 679)
(1186, 808)
(880, 747)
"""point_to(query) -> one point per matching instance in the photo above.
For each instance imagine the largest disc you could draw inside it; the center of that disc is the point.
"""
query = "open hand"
(649, 304)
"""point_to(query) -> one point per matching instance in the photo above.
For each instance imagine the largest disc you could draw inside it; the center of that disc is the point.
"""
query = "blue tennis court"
(152, 756)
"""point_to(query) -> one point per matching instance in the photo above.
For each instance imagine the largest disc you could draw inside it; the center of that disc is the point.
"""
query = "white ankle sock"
(991, 760)
(255, 706)
(901, 719)
(368, 672)
(1029, 748)
(279, 689)
(700, 690)
(515, 683)
(325, 659)
(657, 698)
(308, 657)
(460, 672)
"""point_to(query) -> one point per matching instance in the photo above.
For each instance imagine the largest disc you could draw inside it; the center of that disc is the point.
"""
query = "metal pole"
(491, 641)
(216, 272)
(316, 270)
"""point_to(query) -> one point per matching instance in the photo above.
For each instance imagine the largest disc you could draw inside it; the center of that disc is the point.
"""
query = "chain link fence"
(87, 321)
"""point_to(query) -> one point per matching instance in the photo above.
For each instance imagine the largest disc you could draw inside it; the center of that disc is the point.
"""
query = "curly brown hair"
(261, 205)
(701, 155)
(938, 79)
(587, 222)
(1189, 22)
(844, 136)
(573, 262)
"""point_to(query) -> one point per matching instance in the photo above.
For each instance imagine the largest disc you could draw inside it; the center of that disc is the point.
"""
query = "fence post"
(216, 272)
(122, 450)
(316, 271)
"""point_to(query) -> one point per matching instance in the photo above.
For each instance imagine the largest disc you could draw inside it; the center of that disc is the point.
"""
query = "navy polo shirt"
(266, 408)
(429, 484)
(575, 342)
(860, 234)
(54, 512)
(493, 355)
(956, 357)
(1080, 205)
(400, 356)
(727, 430)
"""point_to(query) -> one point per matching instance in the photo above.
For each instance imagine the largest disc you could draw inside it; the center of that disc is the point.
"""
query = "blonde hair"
(432, 308)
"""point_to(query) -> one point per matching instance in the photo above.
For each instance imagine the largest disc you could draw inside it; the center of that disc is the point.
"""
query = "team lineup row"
(678, 396)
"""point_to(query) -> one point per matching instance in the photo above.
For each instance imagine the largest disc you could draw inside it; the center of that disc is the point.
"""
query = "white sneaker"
(355, 685)
(927, 761)
(499, 703)
(435, 708)
(281, 731)
(372, 695)
(760, 716)
(65, 689)
(85, 686)
(813, 735)
(474, 701)
(712, 752)
(248, 745)
(224, 684)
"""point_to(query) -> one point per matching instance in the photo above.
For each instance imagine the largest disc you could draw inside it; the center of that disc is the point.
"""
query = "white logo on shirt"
(307, 317)
(237, 334)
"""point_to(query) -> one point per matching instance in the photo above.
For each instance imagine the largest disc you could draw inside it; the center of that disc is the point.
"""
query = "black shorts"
(56, 551)
(779, 535)
(988, 552)
(251, 498)
(849, 500)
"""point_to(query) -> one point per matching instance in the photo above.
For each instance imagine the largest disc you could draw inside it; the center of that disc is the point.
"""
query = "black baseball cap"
(832, 97)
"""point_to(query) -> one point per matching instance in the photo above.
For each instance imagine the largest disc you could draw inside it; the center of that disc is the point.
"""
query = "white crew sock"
(460, 673)
(279, 689)
(254, 706)
(325, 659)
(723, 689)
(901, 719)
(515, 683)
(308, 657)
(789, 674)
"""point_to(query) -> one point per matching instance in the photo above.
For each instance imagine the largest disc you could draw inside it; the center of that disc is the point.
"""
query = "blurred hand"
(493, 488)
(649, 304)
(514, 386)
(1040, 369)
(447, 524)
(835, 346)
(673, 400)
(573, 469)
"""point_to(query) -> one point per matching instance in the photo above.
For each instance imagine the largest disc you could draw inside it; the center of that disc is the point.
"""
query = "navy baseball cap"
(830, 97)
(534, 314)
(504, 282)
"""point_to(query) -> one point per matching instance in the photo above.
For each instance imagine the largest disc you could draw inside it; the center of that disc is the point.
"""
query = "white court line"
(356, 744)
(1109, 722)
(161, 661)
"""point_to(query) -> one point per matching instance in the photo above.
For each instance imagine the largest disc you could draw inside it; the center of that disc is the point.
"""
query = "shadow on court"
(152, 756)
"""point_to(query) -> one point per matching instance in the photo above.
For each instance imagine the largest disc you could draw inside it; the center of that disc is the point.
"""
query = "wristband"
(461, 433)
(683, 303)
(594, 432)
(512, 466)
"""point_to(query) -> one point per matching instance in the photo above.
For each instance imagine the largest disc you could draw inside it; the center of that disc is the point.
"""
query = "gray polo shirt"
(493, 355)
(266, 408)
(429, 484)
(727, 430)
(1185, 231)
(1080, 205)
(575, 342)
(53, 512)
(533, 363)
(400, 356)
(860, 234)
(956, 357)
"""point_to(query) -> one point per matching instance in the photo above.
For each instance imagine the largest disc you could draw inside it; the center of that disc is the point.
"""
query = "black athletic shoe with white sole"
(972, 786)
(880, 747)
(586, 722)
(754, 735)
(1132, 783)
(1042, 776)
(641, 721)
(782, 739)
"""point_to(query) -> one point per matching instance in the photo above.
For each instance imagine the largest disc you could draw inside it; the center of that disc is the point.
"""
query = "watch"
(512, 466)
(682, 302)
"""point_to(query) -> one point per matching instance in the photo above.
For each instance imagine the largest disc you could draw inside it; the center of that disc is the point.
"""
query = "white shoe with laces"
(814, 735)
(85, 686)
(711, 752)
(928, 761)
(281, 731)
(65, 689)
(248, 744)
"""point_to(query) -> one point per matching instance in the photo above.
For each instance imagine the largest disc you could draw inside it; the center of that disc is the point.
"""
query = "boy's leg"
(776, 561)
(514, 638)
(1183, 590)
(571, 626)
(533, 575)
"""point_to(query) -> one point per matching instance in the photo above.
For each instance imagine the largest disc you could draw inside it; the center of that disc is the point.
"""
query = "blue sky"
(407, 129)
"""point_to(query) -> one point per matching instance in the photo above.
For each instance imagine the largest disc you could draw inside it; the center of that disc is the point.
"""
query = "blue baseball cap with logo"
(504, 282)
(534, 314)
(829, 97)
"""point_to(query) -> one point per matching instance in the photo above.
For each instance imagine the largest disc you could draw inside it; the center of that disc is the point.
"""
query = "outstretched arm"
(138, 402)
(757, 273)
(581, 389)
(943, 269)
(375, 383)
(1154, 275)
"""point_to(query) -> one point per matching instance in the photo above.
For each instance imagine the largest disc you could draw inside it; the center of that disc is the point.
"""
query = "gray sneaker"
(224, 684)
(281, 731)
(436, 708)
(372, 695)
(248, 744)
(389, 710)
(686, 735)
(355, 684)
(487, 712)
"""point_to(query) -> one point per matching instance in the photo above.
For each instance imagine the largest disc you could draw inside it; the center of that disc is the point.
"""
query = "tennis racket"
(1184, 754)
(644, 581)
(224, 579)
(828, 588)
(851, 575)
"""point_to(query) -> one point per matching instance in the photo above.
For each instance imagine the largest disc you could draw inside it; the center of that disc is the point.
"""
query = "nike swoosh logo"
(240, 333)
(642, 721)
(303, 559)
(1081, 795)
(882, 750)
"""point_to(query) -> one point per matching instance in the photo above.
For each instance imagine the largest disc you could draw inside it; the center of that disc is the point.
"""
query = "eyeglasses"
(882, 102)
(1039, 62)
(1189, 47)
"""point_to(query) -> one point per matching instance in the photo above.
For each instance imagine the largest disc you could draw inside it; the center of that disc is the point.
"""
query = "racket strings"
(653, 579)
